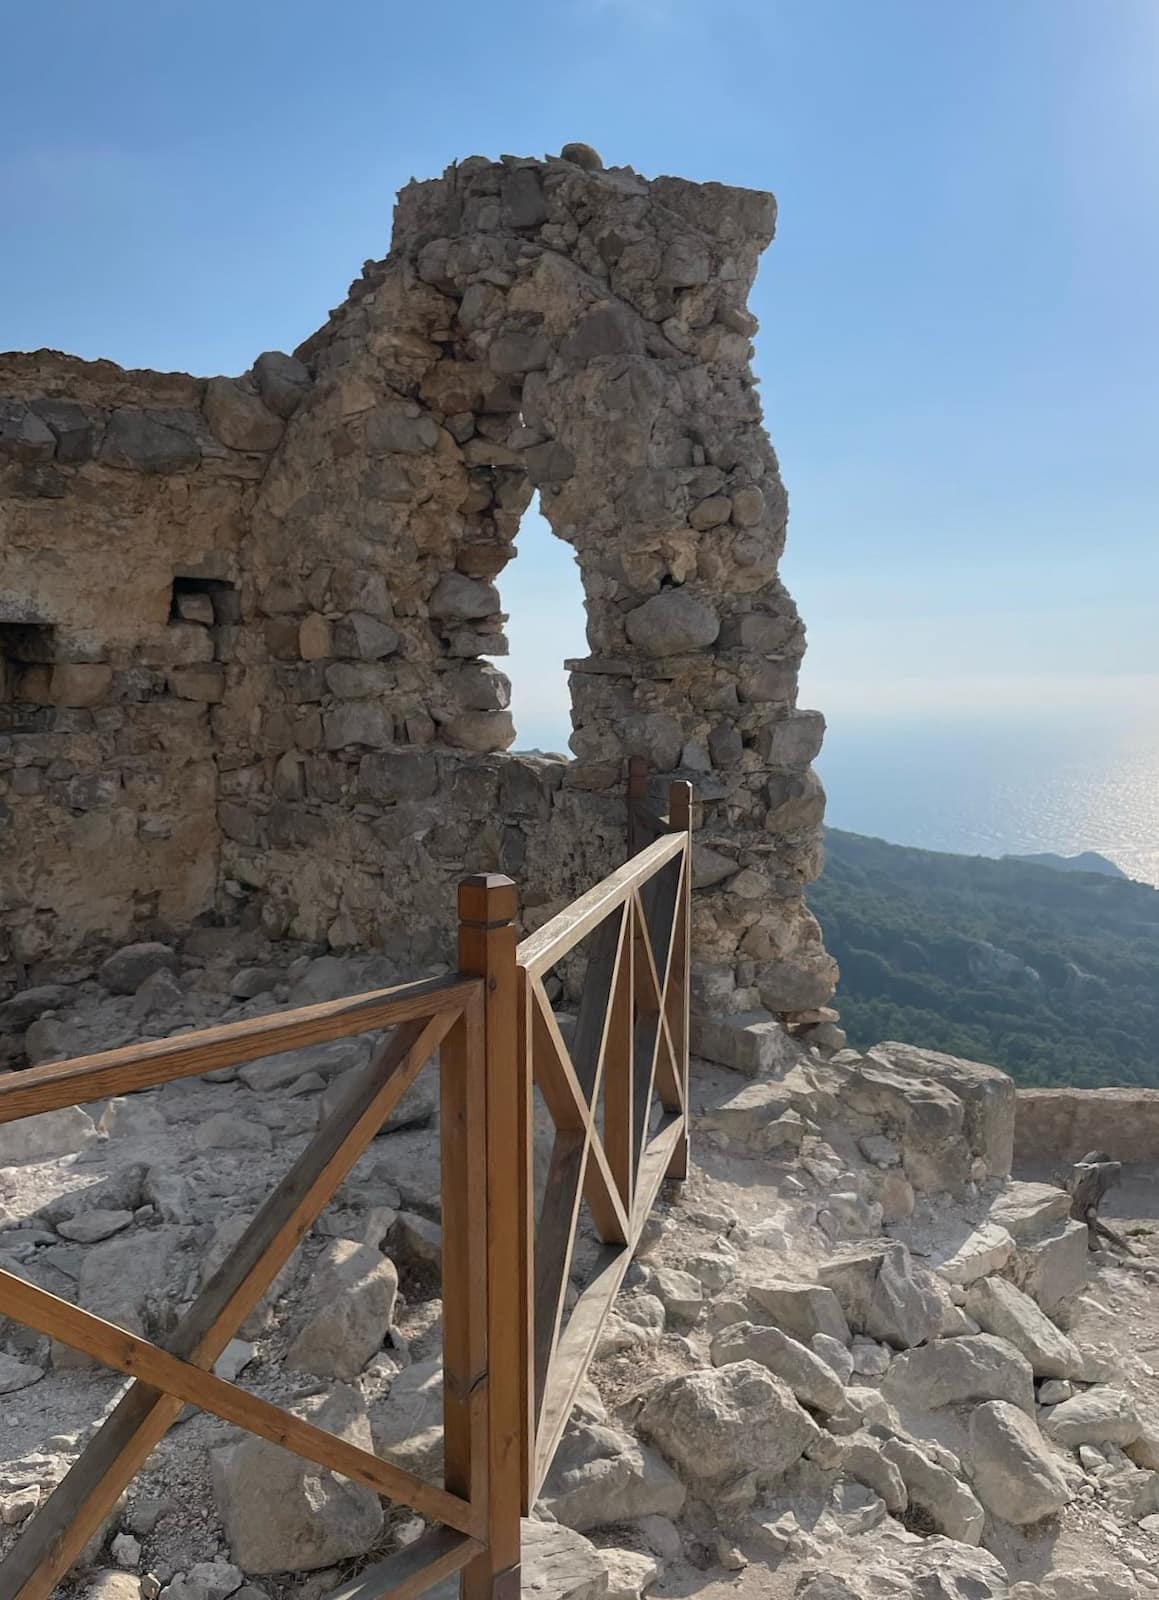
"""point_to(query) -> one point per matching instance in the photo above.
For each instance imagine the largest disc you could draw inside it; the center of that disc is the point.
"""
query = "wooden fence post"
(679, 982)
(487, 910)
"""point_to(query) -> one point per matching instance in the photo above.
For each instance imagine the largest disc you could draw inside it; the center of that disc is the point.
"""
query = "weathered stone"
(986, 1093)
(717, 1426)
(282, 382)
(126, 969)
(982, 1252)
(1000, 1308)
(16, 1374)
(283, 1514)
(408, 1424)
(751, 1042)
(863, 1461)
(958, 1371)
(1053, 1266)
(880, 1296)
(807, 1375)
(1013, 1473)
(150, 442)
(351, 1303)
(801, 1309)
(1028, 1210)
(671, 622)
(92, 1226)
(41, 1138)
(948, 1503)
(601, 1476)
(1099, 1416)
(238, 418)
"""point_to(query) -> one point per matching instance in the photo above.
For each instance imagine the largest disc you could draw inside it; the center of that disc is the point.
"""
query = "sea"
(996, 785)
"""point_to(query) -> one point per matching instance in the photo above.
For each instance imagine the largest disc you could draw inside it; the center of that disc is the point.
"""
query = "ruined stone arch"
(545, 326)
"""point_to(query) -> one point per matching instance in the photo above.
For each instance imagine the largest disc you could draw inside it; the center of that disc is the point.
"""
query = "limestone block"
(949, 1504)
(204, 682)
(1098, 1416)
(880, 1296)
(1013, 1473)
(987, 1094)
(957, 1371)
(315, 639)
(238, 418)
(672, 622)
(750, 1042)
(357, 722)
(812, 1381)
(363, 637)
(801, 1309)
(601, 1476)
(283, 1514)
(150, 441)
(716, 1426)
(1001, 1309)
(408, 1424)
(42, 1138)
(863, 1461)
(457, 598)
(282, 382)
(1028, 1210)
(982, 1252)
(351, 1303)
(1053, 1267)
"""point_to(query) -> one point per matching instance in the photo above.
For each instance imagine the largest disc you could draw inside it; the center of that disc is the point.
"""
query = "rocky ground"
(855, 1359)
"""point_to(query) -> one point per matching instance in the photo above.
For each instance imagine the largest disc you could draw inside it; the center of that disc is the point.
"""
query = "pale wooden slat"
(411, 1572)
(618, 1073)
(56, 1535)
(548, 944)
(139, 1358)
(186, 1055)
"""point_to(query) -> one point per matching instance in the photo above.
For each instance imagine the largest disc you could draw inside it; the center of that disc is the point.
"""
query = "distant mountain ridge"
(1052, 974)
(1085, 861)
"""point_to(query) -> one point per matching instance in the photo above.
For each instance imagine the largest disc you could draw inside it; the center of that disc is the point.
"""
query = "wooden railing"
(511, 1365)
(628, 1058)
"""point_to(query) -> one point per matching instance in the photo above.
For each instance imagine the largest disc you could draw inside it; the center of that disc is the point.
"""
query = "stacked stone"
(114, 488)
(556, 327)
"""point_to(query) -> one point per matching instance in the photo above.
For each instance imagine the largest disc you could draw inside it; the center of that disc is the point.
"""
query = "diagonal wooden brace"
(59, 1532)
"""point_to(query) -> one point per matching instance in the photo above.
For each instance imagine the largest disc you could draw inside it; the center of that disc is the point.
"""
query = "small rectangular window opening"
(209, 601)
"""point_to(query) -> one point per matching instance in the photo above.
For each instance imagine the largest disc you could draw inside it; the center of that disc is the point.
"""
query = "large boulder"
(1013, 1473)
(998, 1307)
(348, 1311)
(131, 1281)
(986, 1093)
(812, 1380)
(601, 1476)
(1028, 1210)
(881, 1297)
(717, 1426)
(947, 1502)
(283, 1514)
(802, 1309)
(1100, 1416)
(958, 1371)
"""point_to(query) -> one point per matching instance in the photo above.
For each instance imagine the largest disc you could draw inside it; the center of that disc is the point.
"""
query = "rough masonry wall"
(538, 326)
(113, 487)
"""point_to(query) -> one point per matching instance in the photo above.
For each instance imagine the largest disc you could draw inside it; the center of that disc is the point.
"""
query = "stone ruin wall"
(269, 604)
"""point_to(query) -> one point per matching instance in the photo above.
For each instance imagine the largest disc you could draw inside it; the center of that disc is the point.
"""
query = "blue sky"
(959, 317)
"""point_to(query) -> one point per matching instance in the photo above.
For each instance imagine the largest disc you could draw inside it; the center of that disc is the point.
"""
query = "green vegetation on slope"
(1052, 975)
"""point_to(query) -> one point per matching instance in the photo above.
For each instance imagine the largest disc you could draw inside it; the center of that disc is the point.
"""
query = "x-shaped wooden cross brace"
(166, 1379)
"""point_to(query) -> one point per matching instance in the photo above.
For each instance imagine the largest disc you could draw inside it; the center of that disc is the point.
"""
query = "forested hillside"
(1052, 975)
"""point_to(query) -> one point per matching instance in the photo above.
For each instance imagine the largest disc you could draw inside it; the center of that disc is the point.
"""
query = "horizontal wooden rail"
(563, 932)
(139, 1358)
(188, 1055)
(410, 1572)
